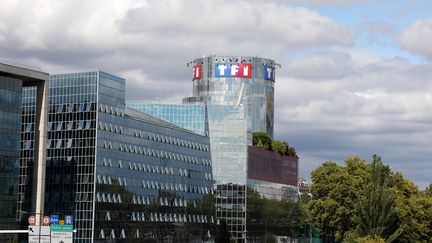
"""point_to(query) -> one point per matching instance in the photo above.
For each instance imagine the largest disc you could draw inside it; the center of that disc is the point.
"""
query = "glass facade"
(236, 80)
(124, 175)
(239, 94)
(188, 116)
(231, 208)
(10, 120)
(229, 139)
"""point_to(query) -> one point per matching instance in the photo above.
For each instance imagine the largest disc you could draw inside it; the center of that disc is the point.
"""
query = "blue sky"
(356, 76)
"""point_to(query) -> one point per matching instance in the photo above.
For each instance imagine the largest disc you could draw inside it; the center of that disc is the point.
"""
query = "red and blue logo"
(239, 70)
(197, 70)
(269, 73)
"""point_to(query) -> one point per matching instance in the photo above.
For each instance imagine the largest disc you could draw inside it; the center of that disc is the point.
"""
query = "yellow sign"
(61, 221)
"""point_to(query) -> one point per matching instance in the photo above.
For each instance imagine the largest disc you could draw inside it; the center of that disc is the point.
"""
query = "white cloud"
(378, 105)
(418, 37)
(338, 101)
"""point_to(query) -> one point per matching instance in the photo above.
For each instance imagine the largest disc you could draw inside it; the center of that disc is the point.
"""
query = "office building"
(237, 80)
(12, 80)
(239, 94)
(124, 175)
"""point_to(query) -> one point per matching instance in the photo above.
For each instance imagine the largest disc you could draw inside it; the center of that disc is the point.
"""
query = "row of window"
(70, 125)
(69, 143)
(155, 153)
(154, 168)
(82, 107)
(150, 184)
(154, 136)
(156, 217)
(111, 110)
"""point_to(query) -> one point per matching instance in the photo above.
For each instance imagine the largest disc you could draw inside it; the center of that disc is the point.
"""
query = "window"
(69, 143)
(59, 109)
(59, 126)
(88, 124)
(70, 125)
(80, 125)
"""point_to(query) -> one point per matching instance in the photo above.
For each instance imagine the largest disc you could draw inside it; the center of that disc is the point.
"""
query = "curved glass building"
(237, 80)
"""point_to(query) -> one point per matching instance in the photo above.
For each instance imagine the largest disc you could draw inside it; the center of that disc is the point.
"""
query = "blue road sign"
(54, 219)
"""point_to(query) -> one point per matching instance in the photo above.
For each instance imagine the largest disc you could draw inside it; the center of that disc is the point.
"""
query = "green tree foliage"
(376, 208)
(261, 138)
(334, 195)
(361, 200)
(278, 217)
(223, 234)
(278, 146)
(428, 191)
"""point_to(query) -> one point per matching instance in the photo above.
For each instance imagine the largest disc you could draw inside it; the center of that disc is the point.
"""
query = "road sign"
(34, 230)
(68, 219)
(45, 230)
(31, 220)
(33, 239)
(54, 219)
(58, 227)
(45, 239)
(46, 220)
(61, 237)
(37, 239)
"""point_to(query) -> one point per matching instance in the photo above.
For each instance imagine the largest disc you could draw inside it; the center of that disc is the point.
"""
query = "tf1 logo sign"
(239, 70)
(269, 73)
(197, 72)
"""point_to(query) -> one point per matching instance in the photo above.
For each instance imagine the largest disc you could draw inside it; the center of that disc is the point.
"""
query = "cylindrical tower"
(237, 80)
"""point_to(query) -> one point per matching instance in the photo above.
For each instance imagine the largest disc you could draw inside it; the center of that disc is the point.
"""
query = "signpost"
(46, 220)
(31, 220)
(54, 219)
(33, 233)
(61, 233)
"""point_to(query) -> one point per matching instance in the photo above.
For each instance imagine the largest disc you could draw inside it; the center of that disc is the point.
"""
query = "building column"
(39, 165)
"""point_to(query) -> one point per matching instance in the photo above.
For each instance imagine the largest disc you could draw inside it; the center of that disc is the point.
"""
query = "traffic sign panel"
(34, 230)
(45, 239)
(54, 219)
(33, 239)
(58, 227)
(31, 220)
(45, 230)
(61, 237)
(68, 219)
(46, 220)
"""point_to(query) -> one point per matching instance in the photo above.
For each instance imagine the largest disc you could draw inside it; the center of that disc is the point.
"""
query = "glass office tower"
(189, 116)
(10, 120)
(239, 94)
(124, 175)
(237, 80)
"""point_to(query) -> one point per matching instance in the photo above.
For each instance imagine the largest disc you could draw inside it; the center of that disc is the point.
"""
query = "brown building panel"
(270, 166)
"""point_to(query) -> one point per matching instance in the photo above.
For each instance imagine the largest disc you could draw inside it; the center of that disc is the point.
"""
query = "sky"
(355, 76)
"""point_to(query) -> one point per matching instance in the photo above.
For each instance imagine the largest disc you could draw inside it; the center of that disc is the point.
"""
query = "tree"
(223, 236)
(278, 146)
(266, 141)
(335, 190)
(368, 201)
(428, 191)
(376, 208)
